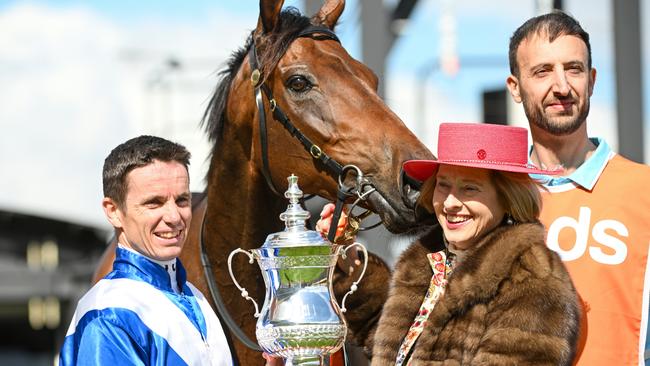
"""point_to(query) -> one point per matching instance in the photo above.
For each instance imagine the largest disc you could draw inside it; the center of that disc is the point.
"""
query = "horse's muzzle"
(410, 189)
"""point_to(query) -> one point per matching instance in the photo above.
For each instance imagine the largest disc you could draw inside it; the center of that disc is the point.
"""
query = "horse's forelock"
(273, 46)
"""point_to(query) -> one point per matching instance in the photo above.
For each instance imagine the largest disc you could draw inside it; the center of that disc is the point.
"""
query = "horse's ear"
(269, 11)
(330, 12)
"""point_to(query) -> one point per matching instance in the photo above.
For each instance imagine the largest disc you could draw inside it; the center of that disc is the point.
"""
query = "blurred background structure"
(78, 77)
(44, 268)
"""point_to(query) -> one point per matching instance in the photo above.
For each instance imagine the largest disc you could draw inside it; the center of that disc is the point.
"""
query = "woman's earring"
(509, 219)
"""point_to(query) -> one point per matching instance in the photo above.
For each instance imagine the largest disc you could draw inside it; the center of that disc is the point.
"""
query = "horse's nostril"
(410, 194)
(410, 190)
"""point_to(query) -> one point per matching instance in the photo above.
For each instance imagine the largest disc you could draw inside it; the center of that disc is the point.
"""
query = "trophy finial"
(295, 216)
(293, 193)
(298, 267)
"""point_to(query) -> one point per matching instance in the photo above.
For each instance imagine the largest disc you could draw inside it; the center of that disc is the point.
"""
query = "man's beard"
(551, 125)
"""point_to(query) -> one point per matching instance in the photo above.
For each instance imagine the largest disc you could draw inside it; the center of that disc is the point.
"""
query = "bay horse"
(294, 69)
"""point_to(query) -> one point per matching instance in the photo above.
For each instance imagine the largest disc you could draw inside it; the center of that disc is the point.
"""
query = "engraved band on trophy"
(300, 319)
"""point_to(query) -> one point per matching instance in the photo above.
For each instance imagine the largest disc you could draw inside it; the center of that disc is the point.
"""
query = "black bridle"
(261, 89)
(361, 189)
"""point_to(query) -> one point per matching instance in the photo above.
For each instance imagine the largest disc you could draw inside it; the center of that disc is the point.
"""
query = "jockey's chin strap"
(261, 88)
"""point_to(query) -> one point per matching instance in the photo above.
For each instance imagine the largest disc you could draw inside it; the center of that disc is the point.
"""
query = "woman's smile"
(466, 204)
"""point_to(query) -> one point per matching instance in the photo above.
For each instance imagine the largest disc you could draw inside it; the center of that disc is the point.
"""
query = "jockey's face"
(157, 210)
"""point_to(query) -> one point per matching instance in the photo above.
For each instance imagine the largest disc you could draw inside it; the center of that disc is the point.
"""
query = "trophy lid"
(295, 233)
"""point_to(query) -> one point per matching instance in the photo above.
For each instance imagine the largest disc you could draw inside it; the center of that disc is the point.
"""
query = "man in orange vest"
(598, 212)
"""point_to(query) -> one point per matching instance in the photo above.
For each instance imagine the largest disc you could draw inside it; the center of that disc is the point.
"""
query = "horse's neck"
(242, 210)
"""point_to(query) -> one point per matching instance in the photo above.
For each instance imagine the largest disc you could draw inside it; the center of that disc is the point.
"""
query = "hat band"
(485, 162)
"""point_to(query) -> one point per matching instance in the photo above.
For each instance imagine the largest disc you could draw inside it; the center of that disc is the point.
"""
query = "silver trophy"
(300, 320)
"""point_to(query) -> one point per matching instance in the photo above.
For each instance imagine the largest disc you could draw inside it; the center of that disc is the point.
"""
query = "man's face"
(157, 210)
(554, 83)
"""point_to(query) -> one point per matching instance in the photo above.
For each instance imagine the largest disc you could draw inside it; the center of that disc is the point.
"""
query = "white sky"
(77, 78)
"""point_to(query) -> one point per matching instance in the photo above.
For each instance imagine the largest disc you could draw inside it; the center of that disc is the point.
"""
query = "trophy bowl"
(300, 319)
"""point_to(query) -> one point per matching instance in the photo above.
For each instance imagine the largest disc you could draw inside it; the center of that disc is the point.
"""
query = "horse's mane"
(270, 48)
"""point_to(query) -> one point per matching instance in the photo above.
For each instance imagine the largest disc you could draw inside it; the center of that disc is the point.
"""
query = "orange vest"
(603, 236)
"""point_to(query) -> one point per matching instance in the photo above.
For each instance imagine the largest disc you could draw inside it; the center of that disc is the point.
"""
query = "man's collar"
(587, 174)
(141, 267)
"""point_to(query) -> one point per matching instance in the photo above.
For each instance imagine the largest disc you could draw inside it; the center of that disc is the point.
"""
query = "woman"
(481, 288)
(497, 294)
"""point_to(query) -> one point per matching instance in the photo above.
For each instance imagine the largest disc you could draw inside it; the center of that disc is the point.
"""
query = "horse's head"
(330, 98)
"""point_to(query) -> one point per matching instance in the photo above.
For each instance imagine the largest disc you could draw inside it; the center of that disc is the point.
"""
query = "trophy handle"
(244, 293)
(354, 286)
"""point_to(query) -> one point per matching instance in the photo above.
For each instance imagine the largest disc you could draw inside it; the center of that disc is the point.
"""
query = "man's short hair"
(135, 153)
(553, 25)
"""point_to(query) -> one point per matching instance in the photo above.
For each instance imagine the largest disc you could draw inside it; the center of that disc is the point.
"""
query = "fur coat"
(509, 302)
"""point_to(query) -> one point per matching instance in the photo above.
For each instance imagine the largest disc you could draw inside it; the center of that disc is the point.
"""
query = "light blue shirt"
(587, 174)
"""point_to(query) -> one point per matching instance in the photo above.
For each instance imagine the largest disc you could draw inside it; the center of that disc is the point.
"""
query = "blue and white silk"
(134, 317)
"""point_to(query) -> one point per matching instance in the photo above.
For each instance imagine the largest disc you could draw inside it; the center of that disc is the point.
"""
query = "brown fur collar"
(475, 280)
(489, 263)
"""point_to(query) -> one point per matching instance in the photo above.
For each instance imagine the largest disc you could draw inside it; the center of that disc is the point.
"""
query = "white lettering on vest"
(599, 234)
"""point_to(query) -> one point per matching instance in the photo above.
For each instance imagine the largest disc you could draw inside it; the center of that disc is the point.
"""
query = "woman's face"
(466, 205)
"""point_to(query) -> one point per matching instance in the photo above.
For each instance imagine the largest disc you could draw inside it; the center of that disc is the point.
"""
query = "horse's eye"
(298, 84)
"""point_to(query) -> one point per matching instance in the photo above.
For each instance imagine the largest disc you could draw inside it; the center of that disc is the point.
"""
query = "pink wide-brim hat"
(478, 145)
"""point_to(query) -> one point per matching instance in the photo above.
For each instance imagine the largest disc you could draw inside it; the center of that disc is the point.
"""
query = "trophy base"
(305, 344)
(304, 361)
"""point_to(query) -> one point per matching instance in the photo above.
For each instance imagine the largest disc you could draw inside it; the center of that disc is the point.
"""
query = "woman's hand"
(352, 260)
(325, 222)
